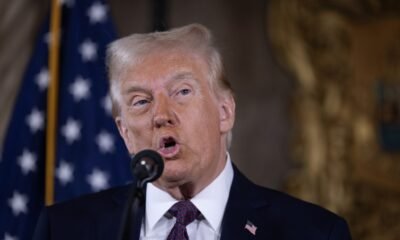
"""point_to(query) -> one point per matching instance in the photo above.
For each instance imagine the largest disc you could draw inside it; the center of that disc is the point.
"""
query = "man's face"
(167, 105)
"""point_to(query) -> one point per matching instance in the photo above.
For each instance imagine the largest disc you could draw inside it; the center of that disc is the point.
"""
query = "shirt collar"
(211, 201)
(158, 203)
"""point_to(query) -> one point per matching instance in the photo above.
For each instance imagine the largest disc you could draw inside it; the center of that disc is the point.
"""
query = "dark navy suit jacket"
(276, 216)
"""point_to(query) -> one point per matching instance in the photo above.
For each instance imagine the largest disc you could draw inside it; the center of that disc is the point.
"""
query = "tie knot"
(184, 211)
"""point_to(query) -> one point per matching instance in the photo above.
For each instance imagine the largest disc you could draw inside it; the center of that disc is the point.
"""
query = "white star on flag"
(71, 130)
(107, 104)
(80, 89)
(35, 120)
(65, 172)
(9, 237)
(42, 79)
(97, 13)
(18, 203)
(105, 141)
(88, 50)
(27, 162)
(98, 180)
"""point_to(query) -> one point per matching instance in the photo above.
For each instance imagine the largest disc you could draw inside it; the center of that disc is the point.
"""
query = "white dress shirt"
(211, 202)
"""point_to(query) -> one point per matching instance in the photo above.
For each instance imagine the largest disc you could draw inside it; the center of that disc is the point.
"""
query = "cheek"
(205, 121)
(139, 134)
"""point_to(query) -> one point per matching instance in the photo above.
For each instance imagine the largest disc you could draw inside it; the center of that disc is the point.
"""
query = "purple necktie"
(185, 213)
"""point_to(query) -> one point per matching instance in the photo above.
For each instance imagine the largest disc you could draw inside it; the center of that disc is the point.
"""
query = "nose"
(163, 113)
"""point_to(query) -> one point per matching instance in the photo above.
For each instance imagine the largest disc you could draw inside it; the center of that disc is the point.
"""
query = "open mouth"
(169, 147)
(169, 142)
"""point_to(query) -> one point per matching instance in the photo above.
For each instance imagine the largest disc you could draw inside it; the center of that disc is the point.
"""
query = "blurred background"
(317, 86)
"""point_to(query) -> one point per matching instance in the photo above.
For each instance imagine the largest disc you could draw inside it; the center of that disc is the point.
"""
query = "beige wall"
(261, 135)
(19, 22)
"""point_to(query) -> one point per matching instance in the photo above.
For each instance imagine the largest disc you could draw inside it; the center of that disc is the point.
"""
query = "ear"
(226, 112)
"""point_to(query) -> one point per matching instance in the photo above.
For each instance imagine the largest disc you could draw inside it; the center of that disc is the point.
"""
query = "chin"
(172, 179)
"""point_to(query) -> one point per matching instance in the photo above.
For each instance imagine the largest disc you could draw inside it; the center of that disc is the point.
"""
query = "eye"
(140, 102)
(184, 91)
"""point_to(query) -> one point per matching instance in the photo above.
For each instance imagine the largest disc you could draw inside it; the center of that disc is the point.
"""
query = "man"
(169, 94)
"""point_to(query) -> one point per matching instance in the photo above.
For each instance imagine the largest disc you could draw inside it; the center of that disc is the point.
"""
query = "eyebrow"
(137, 89)
(181, 76)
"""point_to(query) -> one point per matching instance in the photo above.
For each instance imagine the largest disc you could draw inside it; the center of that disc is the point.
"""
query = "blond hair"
(124, 53)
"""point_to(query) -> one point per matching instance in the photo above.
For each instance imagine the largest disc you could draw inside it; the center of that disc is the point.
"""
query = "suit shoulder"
(298, 213)
(83, 217)
(281, 203)
(91, 202)
(284, 200)
(278, 215)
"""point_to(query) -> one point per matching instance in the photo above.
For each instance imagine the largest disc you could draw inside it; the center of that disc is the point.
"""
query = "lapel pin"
(251, 227)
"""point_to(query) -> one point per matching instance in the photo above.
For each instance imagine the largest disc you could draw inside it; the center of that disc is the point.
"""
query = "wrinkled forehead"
(166, 63)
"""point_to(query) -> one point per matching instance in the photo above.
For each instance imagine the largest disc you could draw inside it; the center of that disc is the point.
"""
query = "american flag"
(90, 155)
(250, 227)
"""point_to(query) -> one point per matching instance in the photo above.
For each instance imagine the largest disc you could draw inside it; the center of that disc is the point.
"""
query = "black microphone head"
(147, 165)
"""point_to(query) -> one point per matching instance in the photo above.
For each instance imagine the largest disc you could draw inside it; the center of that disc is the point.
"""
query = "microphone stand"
(147, 166)
(130, 214)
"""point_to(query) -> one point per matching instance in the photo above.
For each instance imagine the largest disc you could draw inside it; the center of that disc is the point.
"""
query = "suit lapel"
(138, 223)
(121, 200)
(244, 202)
(109, 222)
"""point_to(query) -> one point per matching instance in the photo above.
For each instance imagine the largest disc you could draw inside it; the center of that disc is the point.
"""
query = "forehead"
(164, 65)
(155, 70)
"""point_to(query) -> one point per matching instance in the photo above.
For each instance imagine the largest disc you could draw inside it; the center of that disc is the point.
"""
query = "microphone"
(147, 166)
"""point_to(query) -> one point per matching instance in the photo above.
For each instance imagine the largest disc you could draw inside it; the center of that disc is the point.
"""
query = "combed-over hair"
(124, 53)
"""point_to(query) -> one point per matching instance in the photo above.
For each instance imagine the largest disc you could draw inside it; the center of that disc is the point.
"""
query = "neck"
(184, 192)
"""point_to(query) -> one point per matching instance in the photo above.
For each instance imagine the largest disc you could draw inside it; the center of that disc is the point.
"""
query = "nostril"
(163, 121)
(159, 122)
